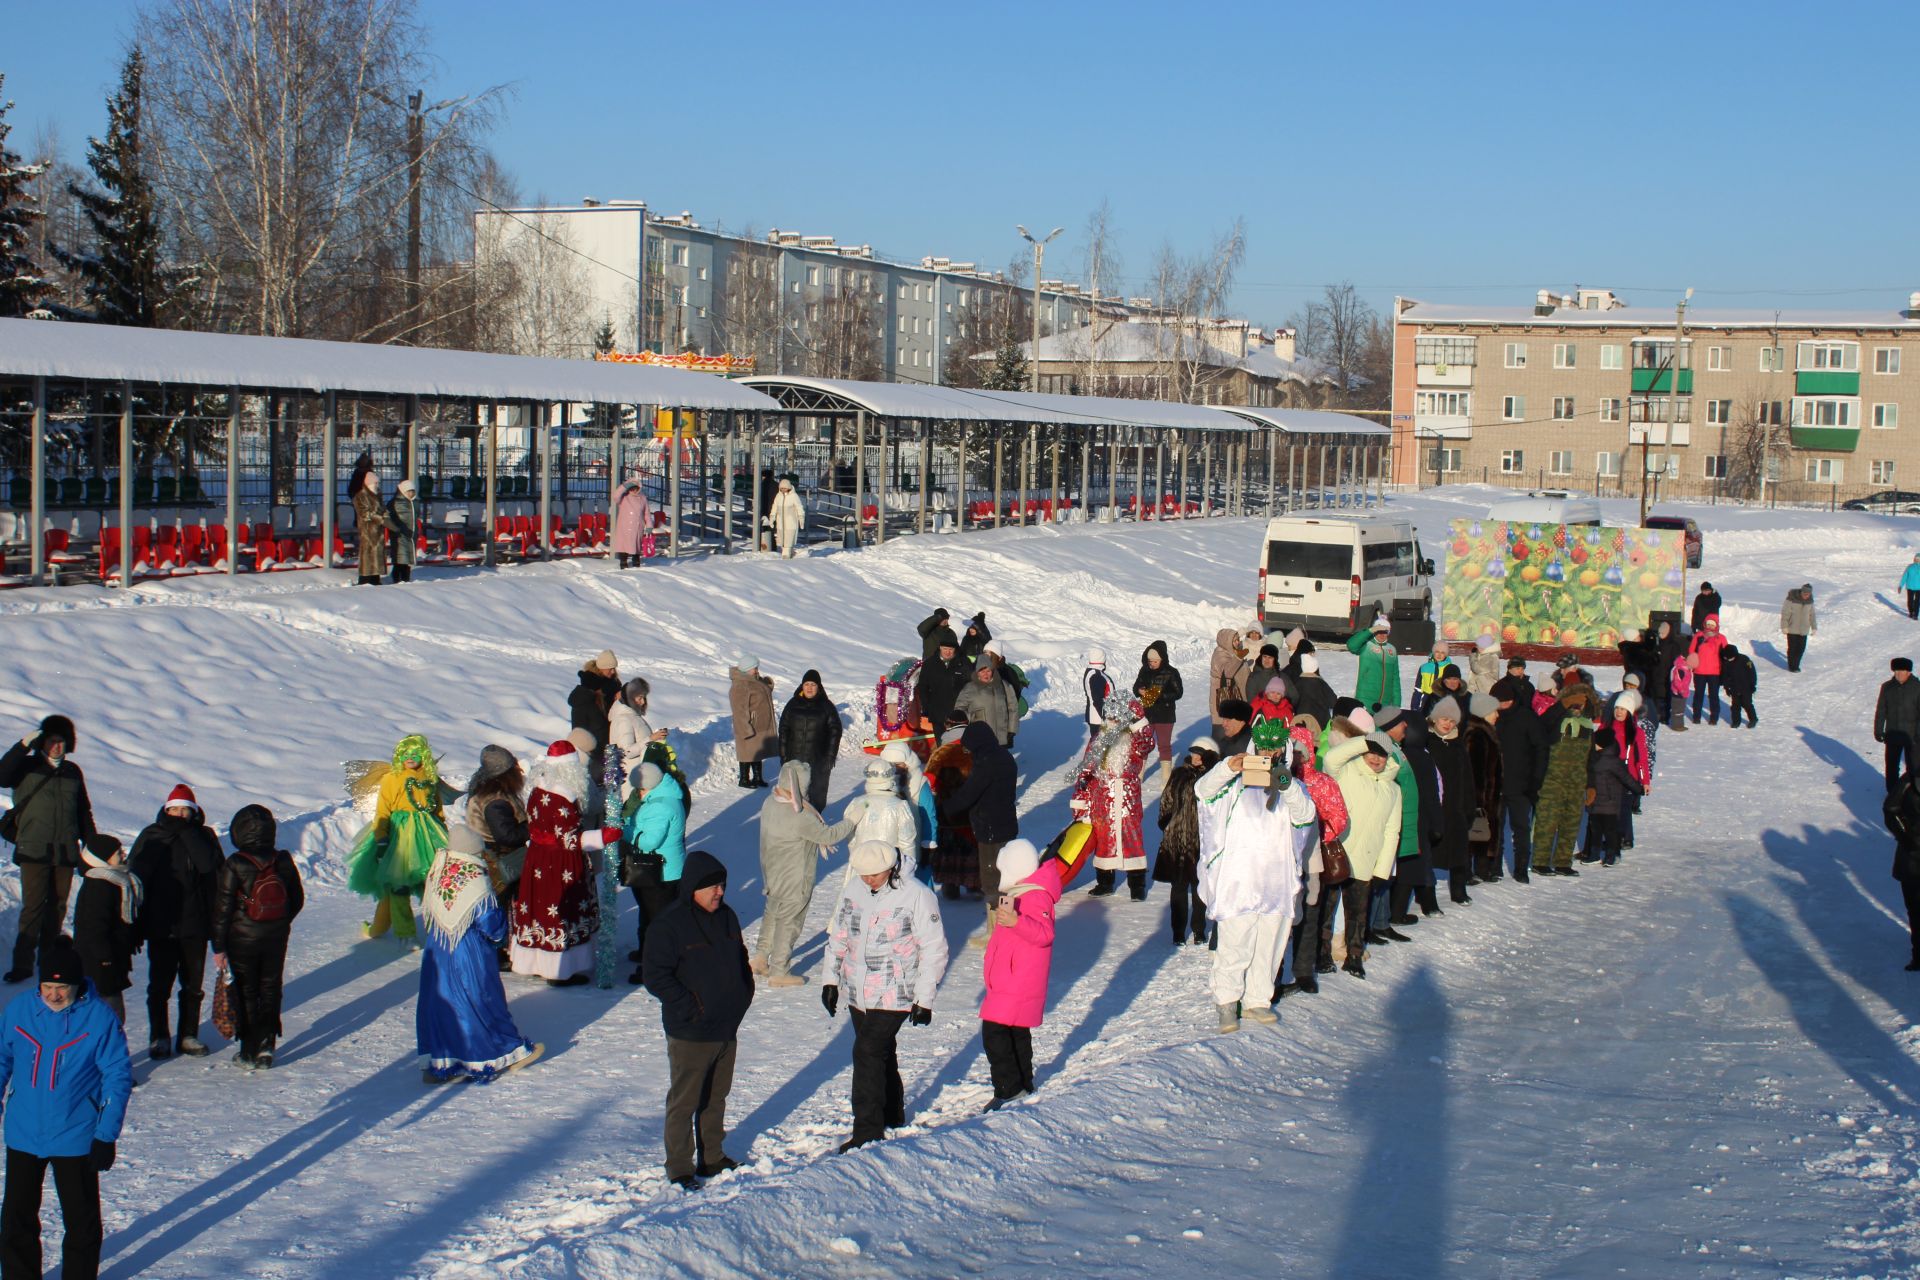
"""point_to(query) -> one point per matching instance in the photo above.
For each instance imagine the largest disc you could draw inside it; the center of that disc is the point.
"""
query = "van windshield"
(1309, 560)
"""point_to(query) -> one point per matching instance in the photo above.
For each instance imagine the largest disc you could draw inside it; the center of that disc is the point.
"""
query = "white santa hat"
(993, 647)
(1017, 860)
(871, 857)
(1096, 657)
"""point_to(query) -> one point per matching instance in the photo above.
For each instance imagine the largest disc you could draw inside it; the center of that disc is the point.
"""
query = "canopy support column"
(999, 488)
(926, 465)
(330, 473)
(880, 489)
(1113, 473)
(613, 413)
(859, 476)
(1086, 473)
(233, 486)
(126, 490)
(673, 479)
(1206, 477)
(493, 476)
(1139, 476)
(962, 469)
(1240, 486)
(1272, 435)
(1053, 491)
(726, 483)
(413, 442)
(753, 513)
(37, 502)
(1160, 476)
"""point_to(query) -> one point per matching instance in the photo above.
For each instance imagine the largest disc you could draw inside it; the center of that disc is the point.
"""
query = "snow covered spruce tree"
(121, 272)
(22, 287)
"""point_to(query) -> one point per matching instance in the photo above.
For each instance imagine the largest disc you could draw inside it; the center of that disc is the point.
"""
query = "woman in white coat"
(787, 518)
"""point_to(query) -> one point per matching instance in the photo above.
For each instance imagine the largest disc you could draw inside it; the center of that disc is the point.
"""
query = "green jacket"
(51, 807)
(1378, 684)
(1409, 805)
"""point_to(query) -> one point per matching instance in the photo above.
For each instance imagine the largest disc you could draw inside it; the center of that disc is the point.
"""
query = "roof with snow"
(1656, 317)
(1150, 342)
(62, 349)
(966, 404)
(1315, 422)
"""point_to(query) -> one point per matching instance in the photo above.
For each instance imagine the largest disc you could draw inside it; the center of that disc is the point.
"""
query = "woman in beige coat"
(370, 523)
(755, 726)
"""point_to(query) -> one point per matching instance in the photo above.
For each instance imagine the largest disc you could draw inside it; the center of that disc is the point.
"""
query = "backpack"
(266, 901)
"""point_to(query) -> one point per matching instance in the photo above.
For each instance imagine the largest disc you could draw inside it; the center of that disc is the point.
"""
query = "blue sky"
(1763, 153)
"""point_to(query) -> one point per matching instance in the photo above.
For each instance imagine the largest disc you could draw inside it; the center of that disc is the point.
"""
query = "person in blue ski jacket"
(1910, 583)
(64, 1083)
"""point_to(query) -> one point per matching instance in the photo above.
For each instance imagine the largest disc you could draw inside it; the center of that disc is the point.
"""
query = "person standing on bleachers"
(370, 523)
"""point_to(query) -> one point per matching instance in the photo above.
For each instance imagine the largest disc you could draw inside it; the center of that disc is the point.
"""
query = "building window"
(1716, 466)
(1610, 407)
(1516, 355)
(1450, 349)
(1825, 470)
(1825, 411)
(903, 324)
(1654, 409)
(1607, 465)
(1657, 353)
(903, 359)
(1772, 413)
(1880, 471)
(701, 312)
(1886, 359)
(1772, 359)
(1443, 404)
(679, 255)
(1562, 408)
(1886, 417)
(701, 274)
(1719, 359)
(1560, 462)
(1840, 357)
(1719, 412)
(1563, 355)
(903, 293)
(1611, 356)
(1513, 408)
(963, 297)
(1513, 461)
(1444, 460)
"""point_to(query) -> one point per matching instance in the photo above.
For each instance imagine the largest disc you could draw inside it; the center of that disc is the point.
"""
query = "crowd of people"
(1302, 834)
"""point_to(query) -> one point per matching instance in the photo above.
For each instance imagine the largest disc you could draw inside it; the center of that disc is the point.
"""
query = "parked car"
(1892, 502)
(1547, 506)
(1695, 544)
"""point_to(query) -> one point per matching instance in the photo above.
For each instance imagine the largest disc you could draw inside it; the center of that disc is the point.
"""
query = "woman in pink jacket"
(632, 520)
(1019, 955)
(1703, 652)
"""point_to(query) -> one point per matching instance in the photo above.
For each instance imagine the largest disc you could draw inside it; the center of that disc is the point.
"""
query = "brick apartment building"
(1565, 393)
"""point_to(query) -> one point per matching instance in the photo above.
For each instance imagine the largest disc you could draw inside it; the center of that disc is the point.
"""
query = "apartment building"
(795, 302)
(1574, 389)
(1145, 356)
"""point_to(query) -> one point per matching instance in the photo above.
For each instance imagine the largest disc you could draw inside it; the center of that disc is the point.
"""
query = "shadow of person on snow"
(1772, 652)
(1398, 1208)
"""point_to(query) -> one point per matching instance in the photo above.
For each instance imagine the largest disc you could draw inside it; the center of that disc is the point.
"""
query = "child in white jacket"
(886, 947)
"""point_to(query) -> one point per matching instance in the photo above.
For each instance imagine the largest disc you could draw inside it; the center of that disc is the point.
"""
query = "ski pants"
(1247, 958)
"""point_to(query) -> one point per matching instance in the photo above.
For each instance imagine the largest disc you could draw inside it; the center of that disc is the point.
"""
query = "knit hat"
(582, 741)
(1486, 643)
(1294, 637)
(1205, 744)
(879, 769)
(747, 663)
(1236, 709)
(1309, 665)
(646, 777)
(871, 857)
(495, 762)
(1362, 719)
(181, 794)
(561, 749)
(1096, 657)
(993, 647)
(896, 753)
(1705, 587)
(1516, 664)
(1482, 705)
(941, 614)
(1902, 664)
(1631, 680)
(1376, 747)
(1711, 621)
(1446, 709)
(1380, 624)
(462, 838)
(703, 871)
(60, 962)
(984, 662)
(1628, 702)
(605, 661)
(98, 849)
(1387, 717)
(1017, 860)
(58, 727)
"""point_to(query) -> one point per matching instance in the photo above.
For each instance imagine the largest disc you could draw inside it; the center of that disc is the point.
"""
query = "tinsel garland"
(604, 939)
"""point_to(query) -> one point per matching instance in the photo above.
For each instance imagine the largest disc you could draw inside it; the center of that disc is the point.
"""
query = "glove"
(609, 837)
(830, 997)
(920, 1016)
(103, 1153)
(1879, 737)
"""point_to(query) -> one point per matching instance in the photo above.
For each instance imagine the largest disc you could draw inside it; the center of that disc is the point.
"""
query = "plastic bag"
(223, 1019)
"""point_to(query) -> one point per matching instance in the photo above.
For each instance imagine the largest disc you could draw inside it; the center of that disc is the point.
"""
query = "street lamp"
(1039, 256)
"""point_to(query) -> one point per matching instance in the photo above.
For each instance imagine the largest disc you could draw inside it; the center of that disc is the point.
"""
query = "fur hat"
(1309, 665)
(1482, 705)
(57, 727)
(1204, 744)
(60, 962)
(1236, 709)
(747, 662)
(1447, 708)
(1312, 725)
(495, 762)
(871, 857)
(605, 661)
(582, 741)
(647, 776)
(181, 794)
(1902, 664)
(462, 838)
(1017, 860)
(1096, 657)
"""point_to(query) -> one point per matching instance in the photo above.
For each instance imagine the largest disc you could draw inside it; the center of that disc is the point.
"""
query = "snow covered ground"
(1702, 1062)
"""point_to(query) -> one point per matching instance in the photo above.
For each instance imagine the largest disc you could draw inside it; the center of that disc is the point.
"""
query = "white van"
(1335, 576)
(1547, 506)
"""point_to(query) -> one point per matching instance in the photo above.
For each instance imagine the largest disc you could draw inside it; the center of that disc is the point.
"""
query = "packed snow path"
(1700, 1062)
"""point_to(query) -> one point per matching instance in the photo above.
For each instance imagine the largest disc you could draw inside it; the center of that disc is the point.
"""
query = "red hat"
(559, 749)
(181, 794)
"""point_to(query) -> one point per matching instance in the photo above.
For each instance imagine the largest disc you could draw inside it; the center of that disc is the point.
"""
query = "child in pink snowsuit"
(1680, 685)
(1019, 955)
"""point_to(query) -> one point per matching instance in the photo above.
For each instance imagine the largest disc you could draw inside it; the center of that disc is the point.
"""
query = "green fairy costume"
(409, 827)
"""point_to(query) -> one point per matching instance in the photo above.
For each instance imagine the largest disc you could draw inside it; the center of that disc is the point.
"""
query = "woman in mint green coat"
(1378, 684)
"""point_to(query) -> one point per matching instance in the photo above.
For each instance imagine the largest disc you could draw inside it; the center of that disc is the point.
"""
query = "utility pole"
(1039, 256)
(415, 150)
(1673, 398)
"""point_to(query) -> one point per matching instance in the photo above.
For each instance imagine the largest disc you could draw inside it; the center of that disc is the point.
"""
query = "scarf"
(99, 868)
(457, 887)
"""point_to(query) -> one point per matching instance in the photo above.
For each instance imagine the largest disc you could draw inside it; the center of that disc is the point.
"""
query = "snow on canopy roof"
(1318, 422)
(968, 404)
(63, 349)
(1659, 318)
(1153, 342)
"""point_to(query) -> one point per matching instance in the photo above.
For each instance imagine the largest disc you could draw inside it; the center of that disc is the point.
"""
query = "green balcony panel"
(1827, 439)
(1826, 382)
(1658, 380)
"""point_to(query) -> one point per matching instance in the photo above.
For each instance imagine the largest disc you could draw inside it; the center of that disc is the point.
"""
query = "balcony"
(1826, 382)
(1444, 375)
(1826, 439)
(1660, 380)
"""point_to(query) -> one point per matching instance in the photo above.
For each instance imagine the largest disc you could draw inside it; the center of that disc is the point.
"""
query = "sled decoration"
(896, 708)
(921, 744)
(1073, 847)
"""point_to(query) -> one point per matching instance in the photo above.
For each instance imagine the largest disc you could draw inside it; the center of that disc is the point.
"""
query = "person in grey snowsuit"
(792, 836)
(1797, 623)
(990, 699)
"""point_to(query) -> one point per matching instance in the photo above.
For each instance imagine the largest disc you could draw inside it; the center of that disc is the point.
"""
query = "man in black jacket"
(942, 677)
(1705, 605)
(177, 859)
(935, 632)
(986, 801)
(696, 964)
(1523, 761)
(52, 817)
(1896, 722)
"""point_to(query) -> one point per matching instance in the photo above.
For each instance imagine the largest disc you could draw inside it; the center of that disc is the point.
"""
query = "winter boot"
(161, 1048)
(756, 962)
(191, 1047)
(1263, 1015)
(746, 780)
(539, 1049)
(1102, 884)
(1137, 885)
(1307, 984)
(781, 980)
(1354, 967)
(1229, 1018)
(720, 1166)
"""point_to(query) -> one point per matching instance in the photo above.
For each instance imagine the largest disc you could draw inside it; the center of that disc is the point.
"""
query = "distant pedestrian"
(1902, 814)
(1159, 689)
(1797, 622)
(103, 916)
(1910, 583)
(755, 731)
(1705, 605)
(1741, 680)
(51, 819)
(632, 521)
(1377, 683)
(177, 859)
(786, 518)
(1098, 687)
(1896, 720)
(257, 897)
(1019, 958)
